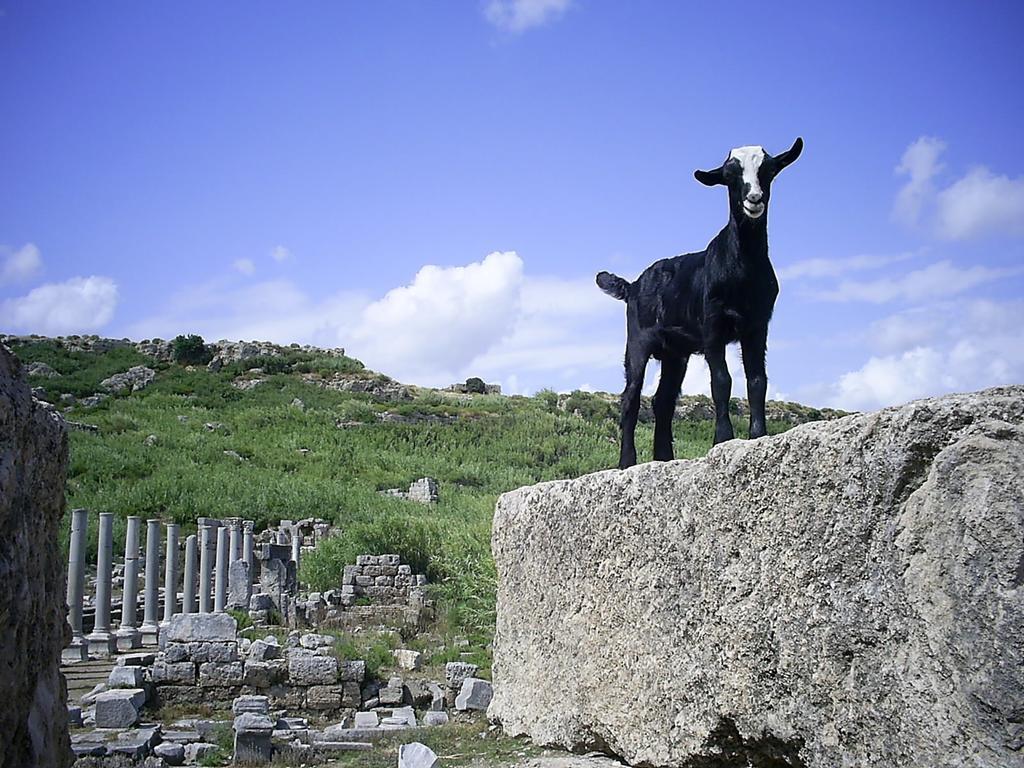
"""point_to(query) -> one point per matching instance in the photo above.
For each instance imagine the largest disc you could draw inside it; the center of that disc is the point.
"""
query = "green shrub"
(190, 350)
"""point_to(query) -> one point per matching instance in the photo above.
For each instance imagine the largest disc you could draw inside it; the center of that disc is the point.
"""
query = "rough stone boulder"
(849, 593)
(33, 462)
(136, 378)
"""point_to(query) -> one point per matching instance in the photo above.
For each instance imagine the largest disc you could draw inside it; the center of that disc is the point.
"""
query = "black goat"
(699, 302)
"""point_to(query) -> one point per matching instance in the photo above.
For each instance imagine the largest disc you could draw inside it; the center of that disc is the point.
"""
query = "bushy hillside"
(288, 435)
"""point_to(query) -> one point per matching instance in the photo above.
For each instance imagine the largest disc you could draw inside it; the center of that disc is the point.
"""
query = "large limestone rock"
(850, 593)
(33, 463)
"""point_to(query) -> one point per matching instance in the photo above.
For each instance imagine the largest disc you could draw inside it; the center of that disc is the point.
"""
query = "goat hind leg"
(672, 372)
(636, 363)
(721, 391)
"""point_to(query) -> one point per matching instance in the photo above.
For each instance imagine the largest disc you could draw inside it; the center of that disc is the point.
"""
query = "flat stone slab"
(208, 627)
(366, 720)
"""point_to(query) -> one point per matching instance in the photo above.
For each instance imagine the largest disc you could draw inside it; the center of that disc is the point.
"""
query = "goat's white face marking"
(750, 159)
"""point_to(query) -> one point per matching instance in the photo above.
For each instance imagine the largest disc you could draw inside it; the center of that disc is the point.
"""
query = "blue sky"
(434, 185)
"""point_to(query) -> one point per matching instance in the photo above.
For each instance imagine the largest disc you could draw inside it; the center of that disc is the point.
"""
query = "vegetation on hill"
(193, 443)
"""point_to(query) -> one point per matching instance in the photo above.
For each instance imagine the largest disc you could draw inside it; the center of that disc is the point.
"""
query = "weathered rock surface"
(848, 593)
(136, 378)
(33, 463)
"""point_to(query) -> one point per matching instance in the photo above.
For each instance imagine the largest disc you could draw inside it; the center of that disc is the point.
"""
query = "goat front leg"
(672, 372)
(754, 345)
(636, 363)
(721, 391)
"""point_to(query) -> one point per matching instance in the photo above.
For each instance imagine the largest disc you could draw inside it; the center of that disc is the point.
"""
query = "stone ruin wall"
(33, 463)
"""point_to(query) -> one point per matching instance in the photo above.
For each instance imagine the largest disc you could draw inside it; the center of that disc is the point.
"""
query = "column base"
(128, 639)
(77, 651)
(150, 634)
(101, 644)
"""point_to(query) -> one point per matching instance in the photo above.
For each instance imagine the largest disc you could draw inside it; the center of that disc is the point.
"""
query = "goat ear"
(791, 154)
(710, 178)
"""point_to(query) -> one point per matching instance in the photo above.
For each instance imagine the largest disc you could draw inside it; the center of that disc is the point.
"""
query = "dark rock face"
(849, 593)
(33, 613)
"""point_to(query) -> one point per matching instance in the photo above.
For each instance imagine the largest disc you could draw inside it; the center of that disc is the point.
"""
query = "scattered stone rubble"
(274, 692)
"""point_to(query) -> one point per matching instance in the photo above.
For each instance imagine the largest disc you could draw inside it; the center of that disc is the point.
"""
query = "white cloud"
(273, 310)
(20, 265)
(245, 266)
(935, 350)
(520, 15)
(937, 280)
(981, 203)
(280, 253)
(819, 267)
(920, 162)
(977, 204)
(81, 304)
(429, 330)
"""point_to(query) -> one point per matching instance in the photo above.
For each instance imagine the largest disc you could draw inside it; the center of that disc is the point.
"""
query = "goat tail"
(613, 285)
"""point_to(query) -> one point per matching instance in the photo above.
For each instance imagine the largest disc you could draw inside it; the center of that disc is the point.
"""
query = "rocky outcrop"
(847, 593)
(135, 379)
(33, 462)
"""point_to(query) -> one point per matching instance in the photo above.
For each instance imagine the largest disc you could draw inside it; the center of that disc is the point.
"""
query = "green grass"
(296, 463)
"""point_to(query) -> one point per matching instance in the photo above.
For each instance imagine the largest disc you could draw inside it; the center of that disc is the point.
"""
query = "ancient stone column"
(235, 543)
(79, 649)
(188, 597)
(296, 548)
(171, 572)
(220, 593)
(247, 543)
(205, 567)
(101, 641)
(150, 624)
(128, 636)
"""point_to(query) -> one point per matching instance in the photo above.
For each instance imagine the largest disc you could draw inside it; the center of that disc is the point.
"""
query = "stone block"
(222, 652)
(263, 674)
(178, 673)
(392, 694)
(261, 650)
(364, 581)
(220, 675)
(260, 602)
(125, 677)
(176, 652)
(171, 752)
(313, 641)
(408, 659)
(475, 695)
(260, 705)
(119, 708)
(389, 560)
(366, 560)
(416, 755)
(351, 696)
(352, 671)
(456, 672)
(311, 669)
(384, 581)
(239, 585)
(74, 716)
(198, 627)
(365, 720)
(404, 570)
(433, 718)
(323, 697)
